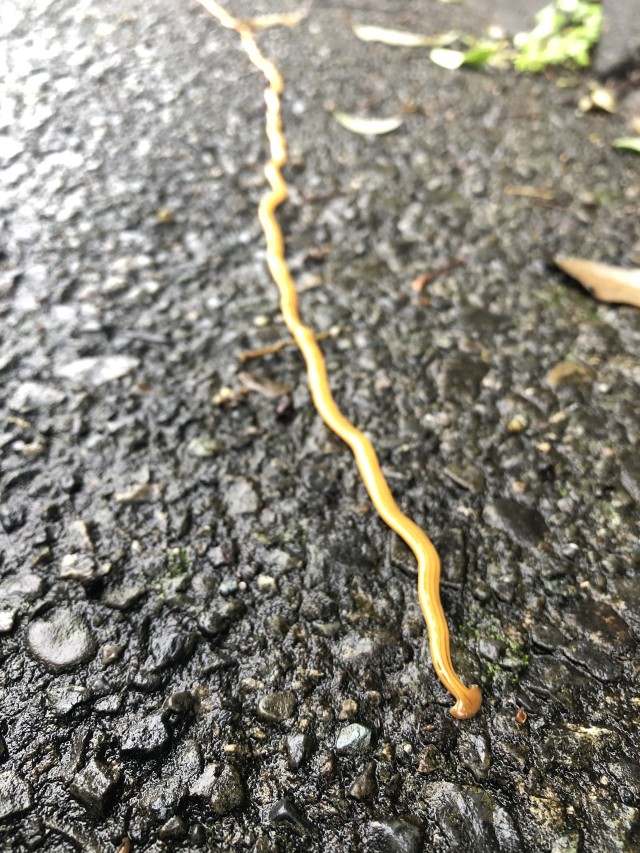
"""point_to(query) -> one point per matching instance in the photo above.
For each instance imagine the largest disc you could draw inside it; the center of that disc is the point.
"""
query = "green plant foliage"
(631, 143)
(564, 34)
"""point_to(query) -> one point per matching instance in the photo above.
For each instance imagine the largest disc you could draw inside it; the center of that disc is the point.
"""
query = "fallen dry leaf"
(367, 126)
(598, 98)
(402, 38)
(605, 282)
(266, 387)
(447, 58)
(279, 19)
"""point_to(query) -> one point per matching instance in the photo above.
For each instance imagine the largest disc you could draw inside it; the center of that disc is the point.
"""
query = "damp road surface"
(208, 639)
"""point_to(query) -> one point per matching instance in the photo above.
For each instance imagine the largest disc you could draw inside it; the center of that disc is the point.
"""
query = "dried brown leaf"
(606, 283)
(367, 126)
(266, 387)
(402, 38)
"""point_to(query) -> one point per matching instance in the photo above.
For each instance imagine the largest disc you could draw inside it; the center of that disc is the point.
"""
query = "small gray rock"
(94, 785)
(25, 586)
(277, 707)
(474, 754)
(173, 830)
(228, 791)
(160, 800)
(597, 663)
(61, 640)
(15, 794)
(65, 697)
(619, 45)
(298, 749)
(123, 597)
(630, 474)
(79, 567)
(219, 616)
(96, 371)
(525, 526)
(365, 786)
(170, 642)
(203, 786)
(240, 497)
(394, 836)
(285, 811)
(34, 395)
(460, 377)
(146, 737)
(466, 475)
(353, 739)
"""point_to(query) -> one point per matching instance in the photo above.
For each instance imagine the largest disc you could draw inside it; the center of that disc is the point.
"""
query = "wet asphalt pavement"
(208, 640)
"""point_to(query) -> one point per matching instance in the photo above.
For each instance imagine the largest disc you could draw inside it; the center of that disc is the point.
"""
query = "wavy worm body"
(468, 699)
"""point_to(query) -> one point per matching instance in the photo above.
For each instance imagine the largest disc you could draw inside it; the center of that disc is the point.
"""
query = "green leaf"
(477, 56)
(367, 126)
(630, 143)
(480, 55)
(564, 34)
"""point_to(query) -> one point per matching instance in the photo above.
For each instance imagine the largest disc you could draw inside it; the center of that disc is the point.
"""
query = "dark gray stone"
(597, 663)
(286, 811)
(466, 475)
(552, 679)
(547, 637)
(123, 597)
(174, 829)
(471, 819)
(474, 754)
(170, 643)
(525, 526)
(630, 462)
(161, 800)
(217, 618)
(65, 697)
(298, 749)
(15, 794)
(95, 784)
(502, 581)
(460, 377)
(228, 791)
(619, 46)
(146, 737)
(402, 835)
(365, 786)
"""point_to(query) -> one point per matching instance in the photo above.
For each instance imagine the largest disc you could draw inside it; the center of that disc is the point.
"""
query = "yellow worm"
(468, 699)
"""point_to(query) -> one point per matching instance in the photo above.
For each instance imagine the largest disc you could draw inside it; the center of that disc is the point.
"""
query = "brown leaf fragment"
(530, 192)
(567, 373)
(279, 19)
(606, 283)
(271, 349)
(421, 281)
(267, 387)
(521, 717)
(141, 493)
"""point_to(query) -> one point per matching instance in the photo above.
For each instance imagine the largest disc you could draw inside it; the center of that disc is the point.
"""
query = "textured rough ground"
(209, 641)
